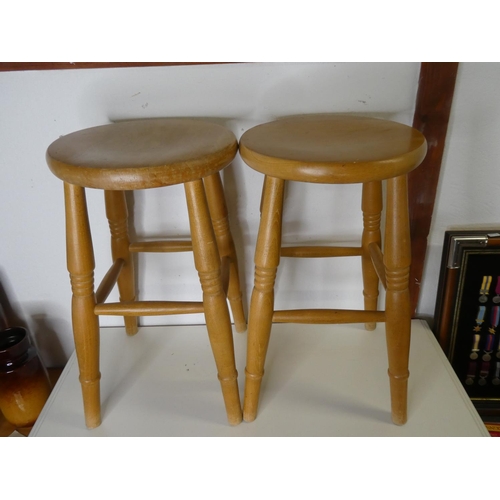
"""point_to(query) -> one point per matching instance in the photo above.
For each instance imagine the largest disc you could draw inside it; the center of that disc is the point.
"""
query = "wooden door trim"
(432, 112)
(32, 66)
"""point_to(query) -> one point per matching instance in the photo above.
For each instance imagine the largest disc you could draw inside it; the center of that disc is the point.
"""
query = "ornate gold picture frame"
(466, 320)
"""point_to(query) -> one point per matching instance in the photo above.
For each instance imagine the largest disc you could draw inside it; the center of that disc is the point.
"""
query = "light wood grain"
(109, 281)
(161, 246)
(220, 222)
(144, 154)
(207, 262)
(378, 262)
(267, 258)
(80, 258)
(336, 149)
(326, 149)
(320, 251)
(397, 260)
(148, 308)
(140, 154)
(371, 205)
(117, 214)
(327, 316)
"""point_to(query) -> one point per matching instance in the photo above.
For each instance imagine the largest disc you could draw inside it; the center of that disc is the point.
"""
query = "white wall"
(468, 190)
(37, 107)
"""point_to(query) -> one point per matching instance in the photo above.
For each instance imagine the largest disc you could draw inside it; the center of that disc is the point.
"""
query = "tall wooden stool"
(143, 154)
(336, 149)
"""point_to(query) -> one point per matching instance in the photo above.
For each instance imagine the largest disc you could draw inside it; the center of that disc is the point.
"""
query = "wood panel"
(432, 112)
(30, 66)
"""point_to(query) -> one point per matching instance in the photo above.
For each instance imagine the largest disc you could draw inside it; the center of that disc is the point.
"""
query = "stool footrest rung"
(328, 316)
(320, 251)
(109, 281)
(162, 246)
(148, 308)
(378, 262)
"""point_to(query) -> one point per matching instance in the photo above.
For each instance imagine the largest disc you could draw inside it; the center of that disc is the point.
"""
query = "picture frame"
(467, 314)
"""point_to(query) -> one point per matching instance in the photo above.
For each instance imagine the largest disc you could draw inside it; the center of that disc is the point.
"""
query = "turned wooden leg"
(267, 257)
(117, 214)
(227, 250)
(207, 262)
(397, 261)
(262, 195)
(371, 206)
(80, 258)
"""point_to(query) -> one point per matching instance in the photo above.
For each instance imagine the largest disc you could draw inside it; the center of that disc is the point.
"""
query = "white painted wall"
(468, 190)
(37, 107)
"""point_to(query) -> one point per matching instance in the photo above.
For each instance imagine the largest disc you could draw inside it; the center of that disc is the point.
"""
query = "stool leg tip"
(240, 327)
(235, 420)
(399, 419)
(370, 326)
(249, 416)
(92, 423)
(131, 327)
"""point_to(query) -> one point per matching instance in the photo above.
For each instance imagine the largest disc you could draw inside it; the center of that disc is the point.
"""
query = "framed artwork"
(466, 320)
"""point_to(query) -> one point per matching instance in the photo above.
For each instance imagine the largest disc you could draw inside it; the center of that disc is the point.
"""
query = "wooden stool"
(336, 149)
(144, 154)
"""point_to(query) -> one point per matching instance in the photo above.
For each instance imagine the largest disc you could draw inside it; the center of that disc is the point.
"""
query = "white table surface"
(321, 380)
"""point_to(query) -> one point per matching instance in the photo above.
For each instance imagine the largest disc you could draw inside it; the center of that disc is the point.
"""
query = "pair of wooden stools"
(143, 154)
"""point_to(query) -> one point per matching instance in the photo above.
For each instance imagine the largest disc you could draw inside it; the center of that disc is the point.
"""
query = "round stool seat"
(141, 154)
(333, 149)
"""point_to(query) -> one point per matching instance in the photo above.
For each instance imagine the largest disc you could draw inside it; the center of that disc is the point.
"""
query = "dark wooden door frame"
(432, 111)
(33, 66)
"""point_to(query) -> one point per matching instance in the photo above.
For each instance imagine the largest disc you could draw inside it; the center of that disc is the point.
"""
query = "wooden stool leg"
(80, 258)
(218, 212)
(117, 214)
(262, 195)
(207, 262)
(267, 257)
(372, 208)
(397, 261)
